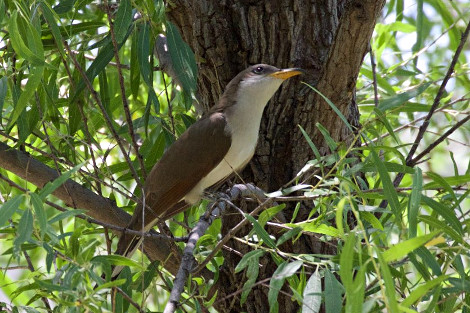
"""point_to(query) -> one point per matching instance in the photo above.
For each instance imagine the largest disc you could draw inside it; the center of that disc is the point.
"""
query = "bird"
(219, 144)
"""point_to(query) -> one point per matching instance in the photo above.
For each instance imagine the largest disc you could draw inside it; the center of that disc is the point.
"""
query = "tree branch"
(98, 207)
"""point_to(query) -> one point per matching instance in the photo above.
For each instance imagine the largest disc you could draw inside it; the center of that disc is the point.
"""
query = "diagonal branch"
(96, 206)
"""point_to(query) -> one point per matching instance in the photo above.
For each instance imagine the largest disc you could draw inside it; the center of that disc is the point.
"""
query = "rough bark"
(328, 39)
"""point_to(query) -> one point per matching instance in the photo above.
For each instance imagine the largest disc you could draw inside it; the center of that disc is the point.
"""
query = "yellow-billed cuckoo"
(222, 142)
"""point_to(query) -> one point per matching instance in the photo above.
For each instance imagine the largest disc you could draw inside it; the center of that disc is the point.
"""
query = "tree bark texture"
(328, 39)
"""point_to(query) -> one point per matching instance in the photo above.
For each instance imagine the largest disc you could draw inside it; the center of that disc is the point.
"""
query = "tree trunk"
(328, 39)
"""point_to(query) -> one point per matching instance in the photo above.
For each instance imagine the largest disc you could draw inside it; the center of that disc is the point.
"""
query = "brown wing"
(192, 156)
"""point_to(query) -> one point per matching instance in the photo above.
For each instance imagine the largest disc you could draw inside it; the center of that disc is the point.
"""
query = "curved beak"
(287, 73)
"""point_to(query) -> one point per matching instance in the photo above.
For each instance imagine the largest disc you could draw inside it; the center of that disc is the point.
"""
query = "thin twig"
(440, 139)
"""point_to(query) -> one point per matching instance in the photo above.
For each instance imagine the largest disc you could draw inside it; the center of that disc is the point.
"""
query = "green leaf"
(110, 284)
(25, 228)
(422, 290)
(333, 293)
(390, 297)
(34, 52)
(52, 19)
(3, 93)
(283, 271)
(333, 106)
(34, 79)
(414, 202)
(263, 234)
(182, 58)
(346, 261)
(123, 20)
(244, 261)
(40, 213)
(105, 55)
(389, 190)
(445, 212)
(66, 214)
(9, 208)
(329, 141)
(447, 182)
(143, 52)
(252, 274)
(314, 227)
(288, 235)
(395, 101)
(56, 183)
(312, 294)
(117, 260)
(401, 249)
(310, 143)
(268, 214)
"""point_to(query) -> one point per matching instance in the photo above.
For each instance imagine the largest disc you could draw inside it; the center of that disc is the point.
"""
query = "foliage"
(68, 101)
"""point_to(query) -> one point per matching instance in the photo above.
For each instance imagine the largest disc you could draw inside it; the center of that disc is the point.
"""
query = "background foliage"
(68, 101)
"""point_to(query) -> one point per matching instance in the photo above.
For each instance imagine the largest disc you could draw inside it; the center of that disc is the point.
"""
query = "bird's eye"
(258, 70)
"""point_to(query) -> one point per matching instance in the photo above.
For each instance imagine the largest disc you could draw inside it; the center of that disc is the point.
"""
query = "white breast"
(243, 121)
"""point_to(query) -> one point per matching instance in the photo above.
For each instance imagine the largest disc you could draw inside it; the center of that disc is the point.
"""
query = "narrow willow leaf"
(182, 58)
(34, 79)
(333, 106)
(263, 234)
(283, 271)
(447, 182)
(244, 261)
(389, 190)
(252, 274)
(346, 261)
(9, 208)
(291, 233)
(40, 213)
(312, 294)
(25, 228)
(105, 55)
(333, 293)
(135, 70)
(123, 20)
(64, 215)
(401, 249)
(390, 297)
(143, 52)
(374, 221)
(3, 93)
(314, 227)
(109, 284)
(445, 212)
(422, 290)
(329, 141)
(52, 19)
(268, 214)
(414, 202)
(429, 260)
(117, 260)
(34, 53)
(64, 6)
(310, 143)
(56, 183)
(395, 101)
(383, 119)
(355, 296)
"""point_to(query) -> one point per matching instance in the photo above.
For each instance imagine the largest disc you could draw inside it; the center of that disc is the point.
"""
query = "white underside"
(243, 121)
